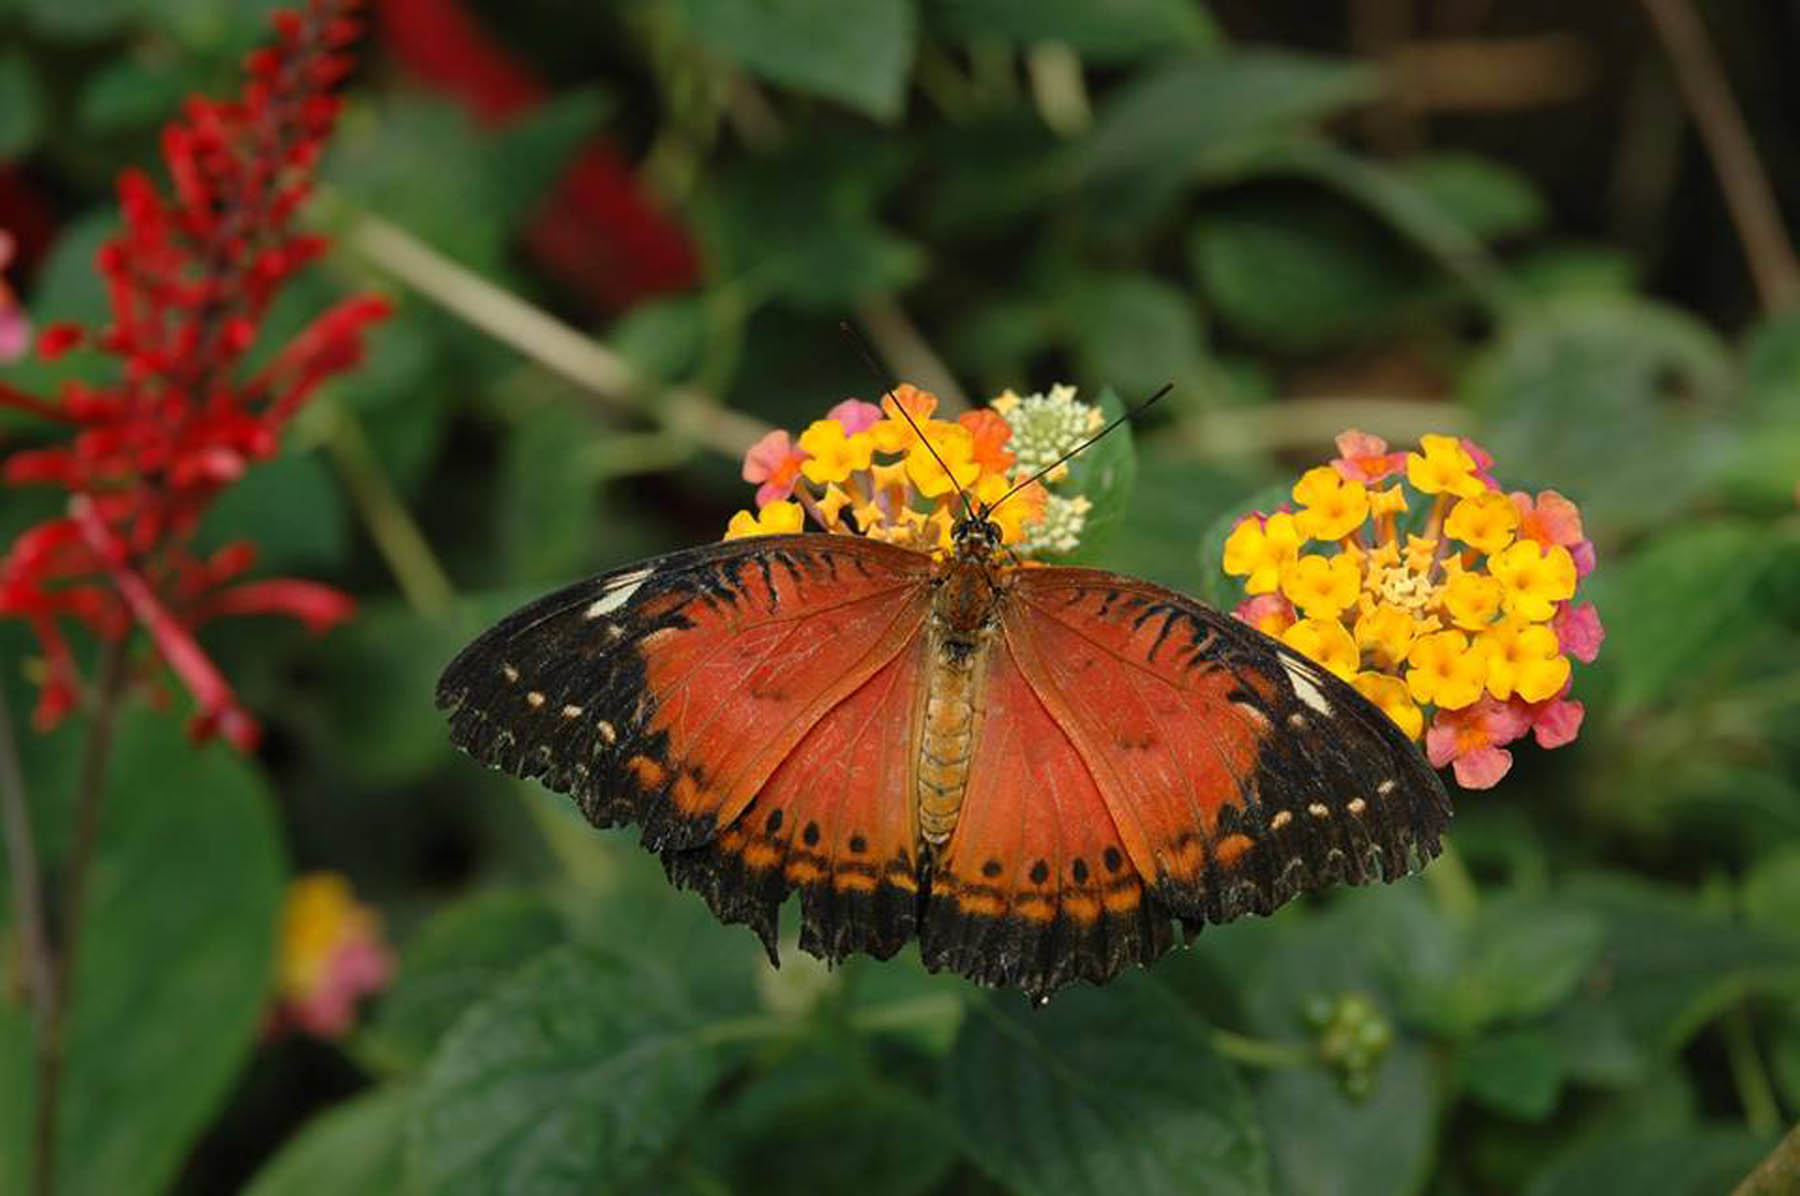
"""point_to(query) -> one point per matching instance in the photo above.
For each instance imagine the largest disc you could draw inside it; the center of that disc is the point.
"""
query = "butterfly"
(1037, 772)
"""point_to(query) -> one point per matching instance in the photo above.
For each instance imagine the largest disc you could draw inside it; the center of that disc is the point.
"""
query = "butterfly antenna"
(868, 356)
(1117, 420)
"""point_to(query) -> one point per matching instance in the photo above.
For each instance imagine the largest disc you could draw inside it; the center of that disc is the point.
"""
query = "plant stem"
(28, 899)
(906, 351)
(1755, 1093)
(1748, 195)
(396, 534)
(553, 344)
(1259, 1052)
(52, 1045)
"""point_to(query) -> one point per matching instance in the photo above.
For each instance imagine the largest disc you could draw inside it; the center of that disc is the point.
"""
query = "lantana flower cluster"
(333, 953)
(190, 278)
(1448, 602)
(866, 470)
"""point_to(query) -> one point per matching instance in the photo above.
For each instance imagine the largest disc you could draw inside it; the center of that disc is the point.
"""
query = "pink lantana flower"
(1578, 630)
(1552, 520)
(855, 415)
(773, 464)
(1472, 740)
(1557, 721)
(1484, 462)
(1365, 458)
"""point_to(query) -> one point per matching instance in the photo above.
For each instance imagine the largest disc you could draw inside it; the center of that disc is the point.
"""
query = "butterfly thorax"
(964, 620)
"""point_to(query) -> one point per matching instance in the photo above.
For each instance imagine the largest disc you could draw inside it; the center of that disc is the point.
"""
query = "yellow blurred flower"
(1325, 641)
(1258, 549)
(1445, 671)
(1444, 468)
(1389, 693)
(332, 954)
(1331, 507)
(778, 518)
(1322, 587)
(833, 456)
(1534, 579)
(1523, 658)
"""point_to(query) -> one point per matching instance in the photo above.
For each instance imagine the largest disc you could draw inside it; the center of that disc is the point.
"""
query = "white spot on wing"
(617, 593)
(1306, 686)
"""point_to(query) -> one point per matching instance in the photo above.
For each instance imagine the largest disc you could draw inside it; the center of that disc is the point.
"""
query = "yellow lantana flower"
(1485, 522)
(1534, 579)
(1325, 641)
(1523, 658)
(1472, 600)
(1322, 587)
(1386, 633)
(1258, 549)
(955, 451)
(1331, 507)
(1445, 670)
(1389, 693)
(776, 519)
(833, 455)
(1444, 468)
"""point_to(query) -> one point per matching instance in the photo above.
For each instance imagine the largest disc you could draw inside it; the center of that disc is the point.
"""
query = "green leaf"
(173, 974)
(857, 52)
(1761, 471)
(128, 95)
(21, 107)
(1561, 380)
(1101, 1092)
(1670, 965)
(820, 246)
(1374, 943)
(1133, 331)
(572, 1077)
(381, 726)
(354, 1149)
(827, 1118)
(549, 513)
(462, 953)
(1701, 1162)
(293, 511)
(1515, 1072)
(1521, 958)
(1680, 609)
(1207, 118)
(1117, 31)
(1490, 200)
(77, 19)
(1772, 891)
(529, 154)
(1105, 475)
(1305, 272)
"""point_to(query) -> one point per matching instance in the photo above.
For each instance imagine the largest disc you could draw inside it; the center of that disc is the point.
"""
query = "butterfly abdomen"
(961, 631)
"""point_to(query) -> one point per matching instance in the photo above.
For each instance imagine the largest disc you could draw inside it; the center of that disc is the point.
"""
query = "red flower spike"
(189, 279)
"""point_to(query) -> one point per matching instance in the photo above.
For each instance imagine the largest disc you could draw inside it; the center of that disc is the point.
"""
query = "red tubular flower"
(190, 278)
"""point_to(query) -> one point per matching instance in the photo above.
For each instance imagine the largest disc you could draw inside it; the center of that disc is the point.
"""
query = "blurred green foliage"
(1608, 1000)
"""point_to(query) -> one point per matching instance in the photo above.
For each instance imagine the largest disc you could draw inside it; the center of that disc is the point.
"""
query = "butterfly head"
(975, 536)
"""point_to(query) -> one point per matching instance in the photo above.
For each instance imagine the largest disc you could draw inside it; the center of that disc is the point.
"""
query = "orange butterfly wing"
(668, 693)
(1035, 887)
(1237, 772)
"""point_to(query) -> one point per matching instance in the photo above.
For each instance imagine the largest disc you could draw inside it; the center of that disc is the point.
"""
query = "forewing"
(669, 692)
(1238, 772)
(1035, 888)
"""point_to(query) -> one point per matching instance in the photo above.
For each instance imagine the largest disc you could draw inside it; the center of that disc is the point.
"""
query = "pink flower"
(332, 954)
(1270, 614)
(15, 329)
(1578, 631)
(774, 462)
(1473, 739)
(1557, 721)
(855, 415)
(1365, 458)
(1552, 520)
